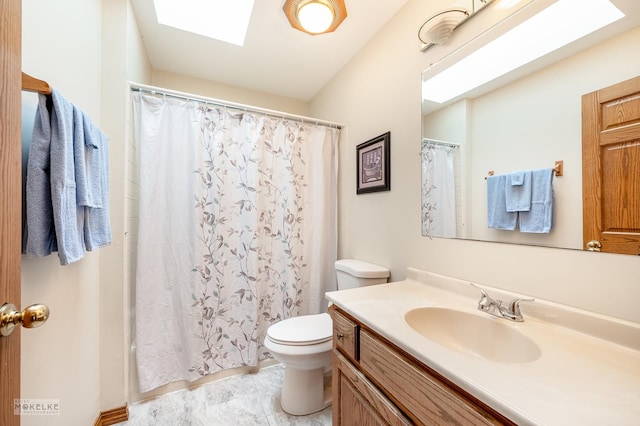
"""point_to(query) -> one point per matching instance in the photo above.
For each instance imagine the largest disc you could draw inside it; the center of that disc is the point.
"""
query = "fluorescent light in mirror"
(558, 25)
(222, 20)
(507, 4)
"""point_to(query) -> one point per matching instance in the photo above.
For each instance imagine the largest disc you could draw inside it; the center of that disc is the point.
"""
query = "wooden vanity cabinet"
(377, 383)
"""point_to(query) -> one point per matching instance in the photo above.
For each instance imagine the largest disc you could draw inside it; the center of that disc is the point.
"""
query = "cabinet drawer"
(429, 399)
(360, 401)
(345, 334)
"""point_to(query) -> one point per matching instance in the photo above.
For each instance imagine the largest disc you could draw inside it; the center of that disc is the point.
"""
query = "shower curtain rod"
(437, 142)
(137, 87)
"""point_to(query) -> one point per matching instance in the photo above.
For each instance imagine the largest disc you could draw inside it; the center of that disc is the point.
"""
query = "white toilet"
(303, 344)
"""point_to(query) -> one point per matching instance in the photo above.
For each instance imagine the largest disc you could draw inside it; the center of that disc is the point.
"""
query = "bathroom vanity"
(419, 352)
(407, 390)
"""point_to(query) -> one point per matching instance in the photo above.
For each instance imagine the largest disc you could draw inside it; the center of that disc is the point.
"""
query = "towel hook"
(558, 168)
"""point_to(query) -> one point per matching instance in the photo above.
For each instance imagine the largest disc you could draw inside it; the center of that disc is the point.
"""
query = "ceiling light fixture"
(315, 16)
(438, 28)
(558, 25)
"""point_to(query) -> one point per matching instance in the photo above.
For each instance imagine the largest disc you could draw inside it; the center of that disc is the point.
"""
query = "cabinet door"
(345, 334)
(430, 400)
(357, 401)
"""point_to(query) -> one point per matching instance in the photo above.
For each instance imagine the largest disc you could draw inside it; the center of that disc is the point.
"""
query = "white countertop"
(588, 373)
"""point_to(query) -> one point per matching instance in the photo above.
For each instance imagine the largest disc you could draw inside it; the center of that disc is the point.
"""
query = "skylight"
(225, 20)
(558, 25)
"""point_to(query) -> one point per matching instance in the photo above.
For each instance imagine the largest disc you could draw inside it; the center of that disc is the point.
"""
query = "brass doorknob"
(594, 245)
(33, 316)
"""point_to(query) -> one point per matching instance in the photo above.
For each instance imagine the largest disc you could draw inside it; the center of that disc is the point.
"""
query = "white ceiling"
(275, 58)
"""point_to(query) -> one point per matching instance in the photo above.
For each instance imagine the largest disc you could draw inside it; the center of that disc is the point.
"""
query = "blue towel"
(540, 218)
(497, 215)
(518, 191)
(86, 158)
(68, 224)
(95, 203)
(67, 191)
(516, 178)
(39, 238)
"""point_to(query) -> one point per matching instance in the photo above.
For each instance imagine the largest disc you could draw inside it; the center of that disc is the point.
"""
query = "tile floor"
(243, 400)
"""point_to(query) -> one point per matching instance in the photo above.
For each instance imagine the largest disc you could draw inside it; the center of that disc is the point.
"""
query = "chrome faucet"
(494, 307)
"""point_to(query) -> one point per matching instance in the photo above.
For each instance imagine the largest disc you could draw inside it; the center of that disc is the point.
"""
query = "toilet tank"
(352, 273)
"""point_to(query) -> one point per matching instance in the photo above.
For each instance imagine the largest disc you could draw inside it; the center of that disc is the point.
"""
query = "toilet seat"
(302, 331)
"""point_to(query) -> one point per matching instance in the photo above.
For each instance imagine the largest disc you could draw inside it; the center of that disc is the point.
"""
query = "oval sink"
(490, 338)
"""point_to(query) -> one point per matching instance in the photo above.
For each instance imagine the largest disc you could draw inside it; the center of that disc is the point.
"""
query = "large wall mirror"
(528, 119)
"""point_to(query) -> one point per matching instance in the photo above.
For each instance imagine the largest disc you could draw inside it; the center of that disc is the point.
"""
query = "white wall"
(124, 58)
(379, 90)
(225, 92)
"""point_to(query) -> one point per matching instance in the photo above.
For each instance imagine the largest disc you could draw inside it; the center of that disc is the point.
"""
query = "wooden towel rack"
(31, 84)
(558, 169)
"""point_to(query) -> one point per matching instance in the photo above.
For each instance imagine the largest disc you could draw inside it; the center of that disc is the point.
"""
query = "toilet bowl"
(303, 344)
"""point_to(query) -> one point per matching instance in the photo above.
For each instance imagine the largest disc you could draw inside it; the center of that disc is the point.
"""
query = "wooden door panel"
(623, 90)
(619, 184)
(620, 112)
(10, 195)
(611, 167)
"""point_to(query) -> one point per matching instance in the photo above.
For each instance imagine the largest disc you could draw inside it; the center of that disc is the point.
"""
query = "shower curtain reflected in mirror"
(439, 213)
(237, 230)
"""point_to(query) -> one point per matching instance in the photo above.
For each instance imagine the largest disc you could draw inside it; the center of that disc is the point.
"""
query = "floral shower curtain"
(237, 230)
(438, 190)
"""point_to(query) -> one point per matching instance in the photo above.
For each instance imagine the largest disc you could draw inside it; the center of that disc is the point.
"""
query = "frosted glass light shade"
(315, 16)
(438, 29)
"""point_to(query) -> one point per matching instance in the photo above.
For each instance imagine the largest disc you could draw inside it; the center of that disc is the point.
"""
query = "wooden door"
(10, 196)
(611, 167)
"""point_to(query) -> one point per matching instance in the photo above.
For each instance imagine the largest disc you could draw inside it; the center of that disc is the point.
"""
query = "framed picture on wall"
(373, 165)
